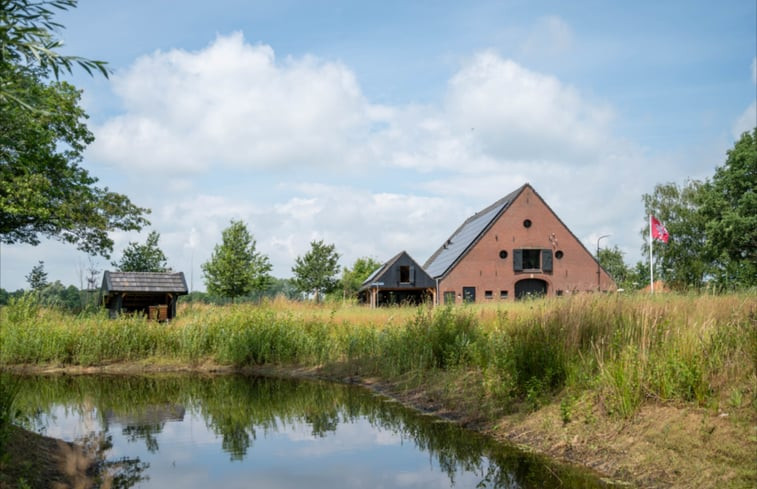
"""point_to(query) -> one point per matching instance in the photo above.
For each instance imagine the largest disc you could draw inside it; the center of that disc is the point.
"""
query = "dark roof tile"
(144, 282)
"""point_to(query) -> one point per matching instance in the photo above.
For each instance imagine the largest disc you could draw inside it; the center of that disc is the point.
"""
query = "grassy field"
(576, 359)
(627, 349)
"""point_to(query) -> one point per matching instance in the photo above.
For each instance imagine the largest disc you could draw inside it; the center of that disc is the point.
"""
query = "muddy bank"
(663, 446)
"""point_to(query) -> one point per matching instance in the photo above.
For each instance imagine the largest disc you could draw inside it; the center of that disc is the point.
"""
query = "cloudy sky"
(380, 126)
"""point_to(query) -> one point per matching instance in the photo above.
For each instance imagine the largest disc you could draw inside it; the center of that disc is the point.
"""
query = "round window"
(558, 254)
(527, 223)
(503, 254)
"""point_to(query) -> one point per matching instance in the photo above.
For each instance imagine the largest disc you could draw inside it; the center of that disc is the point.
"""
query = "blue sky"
(381, 126)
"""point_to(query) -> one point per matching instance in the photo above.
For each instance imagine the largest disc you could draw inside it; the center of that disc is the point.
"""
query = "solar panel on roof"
(465, 236)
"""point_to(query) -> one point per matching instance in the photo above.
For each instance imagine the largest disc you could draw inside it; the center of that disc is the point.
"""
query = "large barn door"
(530, 287)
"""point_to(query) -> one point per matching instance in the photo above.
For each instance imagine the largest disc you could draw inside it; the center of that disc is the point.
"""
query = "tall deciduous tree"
(729, 209)
(235, 269)
(316, 271)
(43, 190)
(682, 261)
(143, 258)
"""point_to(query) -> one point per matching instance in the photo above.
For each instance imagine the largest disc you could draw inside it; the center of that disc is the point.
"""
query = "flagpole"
(651, 258)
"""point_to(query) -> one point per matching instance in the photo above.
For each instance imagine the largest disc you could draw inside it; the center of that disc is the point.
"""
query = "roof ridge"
(503, 202)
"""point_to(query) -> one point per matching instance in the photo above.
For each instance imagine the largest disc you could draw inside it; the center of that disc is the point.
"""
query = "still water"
(240, 431)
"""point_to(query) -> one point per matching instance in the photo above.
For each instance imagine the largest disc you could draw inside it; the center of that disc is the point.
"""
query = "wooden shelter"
(398, 281)
(152, 293)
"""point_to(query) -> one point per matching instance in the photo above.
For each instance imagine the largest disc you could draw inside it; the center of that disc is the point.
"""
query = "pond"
(194, 431)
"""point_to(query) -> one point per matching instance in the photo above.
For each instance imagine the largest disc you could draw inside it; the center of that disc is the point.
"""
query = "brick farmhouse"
(517, 247)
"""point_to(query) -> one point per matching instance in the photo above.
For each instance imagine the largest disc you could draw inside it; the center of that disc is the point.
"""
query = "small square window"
(449, 297)
(503, 294)
(488, 294)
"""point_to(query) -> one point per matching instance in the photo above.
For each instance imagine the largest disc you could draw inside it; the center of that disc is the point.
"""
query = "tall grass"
(626, 349)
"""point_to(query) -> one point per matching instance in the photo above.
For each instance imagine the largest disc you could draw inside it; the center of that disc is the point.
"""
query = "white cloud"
(234, 105)
(514, 113)
(230, 104)
(386, 178)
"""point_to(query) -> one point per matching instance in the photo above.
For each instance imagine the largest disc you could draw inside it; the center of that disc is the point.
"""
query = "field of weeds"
(624, 349)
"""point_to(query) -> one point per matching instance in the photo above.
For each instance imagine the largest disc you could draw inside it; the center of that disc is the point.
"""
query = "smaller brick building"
(514, 248)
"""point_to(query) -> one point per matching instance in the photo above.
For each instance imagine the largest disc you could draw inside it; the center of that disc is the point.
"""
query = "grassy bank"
(584, 357)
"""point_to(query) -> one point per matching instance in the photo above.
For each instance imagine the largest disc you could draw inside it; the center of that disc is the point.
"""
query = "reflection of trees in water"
(145, 432)
(237, 408)
(86, 464)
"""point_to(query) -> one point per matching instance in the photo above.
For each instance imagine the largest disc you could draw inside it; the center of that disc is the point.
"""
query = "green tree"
(235, 269)
(682, 261)
(43, 190)
(611, 260)
(729, 210)
(316, 271)
(143, 258)
(37, 278)
(353, 278)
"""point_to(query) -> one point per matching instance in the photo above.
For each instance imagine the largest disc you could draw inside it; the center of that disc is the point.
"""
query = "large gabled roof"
(467, 235)
(160, 282)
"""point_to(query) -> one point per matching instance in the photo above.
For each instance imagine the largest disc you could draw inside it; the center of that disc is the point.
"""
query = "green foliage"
(43, 190)
(143, 258)
(37, 278)
(620, 349)
(235, 269)
(316, 271)
(712, 224)
(353, 278)
(27, 39)
(729, 208)
(22, 308)
(625, 277)
(681, 262)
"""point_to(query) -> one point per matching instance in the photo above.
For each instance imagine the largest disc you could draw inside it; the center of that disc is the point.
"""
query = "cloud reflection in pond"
(241, 431)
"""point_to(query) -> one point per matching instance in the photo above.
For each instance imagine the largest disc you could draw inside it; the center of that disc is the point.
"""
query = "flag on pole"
(657, 230)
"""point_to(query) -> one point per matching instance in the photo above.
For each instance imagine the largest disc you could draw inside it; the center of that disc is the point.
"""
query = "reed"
(626, 350)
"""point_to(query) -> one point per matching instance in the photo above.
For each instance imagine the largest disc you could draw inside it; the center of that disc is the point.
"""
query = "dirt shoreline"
(663, 446)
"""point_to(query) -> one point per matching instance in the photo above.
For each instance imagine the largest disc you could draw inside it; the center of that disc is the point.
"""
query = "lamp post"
(599, 288)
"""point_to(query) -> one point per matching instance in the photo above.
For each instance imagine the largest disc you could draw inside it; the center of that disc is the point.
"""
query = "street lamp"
(599, 289)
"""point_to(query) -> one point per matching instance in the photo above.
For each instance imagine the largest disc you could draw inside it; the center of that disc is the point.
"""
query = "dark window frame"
(531, 259)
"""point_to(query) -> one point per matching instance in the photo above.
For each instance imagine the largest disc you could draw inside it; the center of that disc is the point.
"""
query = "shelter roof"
(159, 282)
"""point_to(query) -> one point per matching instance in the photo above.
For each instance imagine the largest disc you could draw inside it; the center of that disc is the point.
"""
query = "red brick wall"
(483, 268)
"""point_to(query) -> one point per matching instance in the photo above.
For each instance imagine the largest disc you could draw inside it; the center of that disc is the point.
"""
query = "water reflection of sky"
(190, 455)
